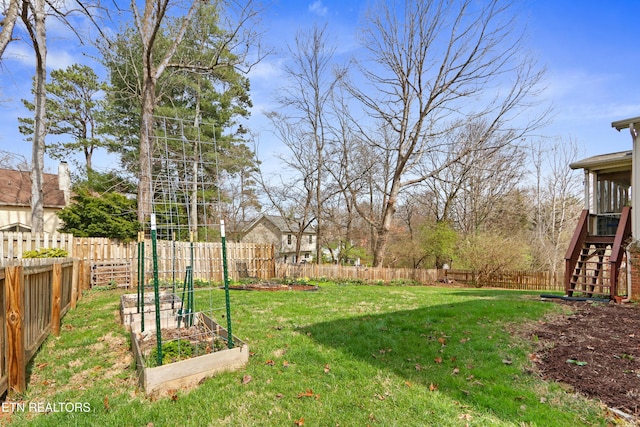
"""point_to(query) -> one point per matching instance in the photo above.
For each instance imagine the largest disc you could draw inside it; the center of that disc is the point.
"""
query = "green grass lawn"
(347, 355)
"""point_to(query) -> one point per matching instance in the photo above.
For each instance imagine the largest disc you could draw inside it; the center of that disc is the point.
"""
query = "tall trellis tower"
(183, 242)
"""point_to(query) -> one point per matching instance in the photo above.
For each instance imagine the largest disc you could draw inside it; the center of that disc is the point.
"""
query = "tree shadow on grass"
(464, 350)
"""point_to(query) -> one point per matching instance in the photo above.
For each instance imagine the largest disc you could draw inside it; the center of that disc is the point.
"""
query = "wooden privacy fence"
(341, 272)
(524, 280)
(243, 259)
(34, 295)
(14, 244)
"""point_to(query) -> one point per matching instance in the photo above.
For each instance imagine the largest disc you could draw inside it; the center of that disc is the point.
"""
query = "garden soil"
(595, 350)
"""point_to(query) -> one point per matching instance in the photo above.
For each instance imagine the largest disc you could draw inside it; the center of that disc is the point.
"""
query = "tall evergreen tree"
(73, 109)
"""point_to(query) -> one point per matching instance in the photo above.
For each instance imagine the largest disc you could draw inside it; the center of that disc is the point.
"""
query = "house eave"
(613, 161)
(624, 124)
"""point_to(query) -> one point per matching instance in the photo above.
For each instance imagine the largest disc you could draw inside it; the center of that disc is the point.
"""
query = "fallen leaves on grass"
(433, 387)
(327, 368)
(246, 379)
(299, 422)
(308, 393)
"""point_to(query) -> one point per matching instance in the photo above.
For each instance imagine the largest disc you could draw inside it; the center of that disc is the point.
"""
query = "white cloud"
(266, 70)
(22, 56)
(318, 8)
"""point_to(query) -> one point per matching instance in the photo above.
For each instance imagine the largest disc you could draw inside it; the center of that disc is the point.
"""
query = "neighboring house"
(596, 260)
(282, 234)
(15, 198)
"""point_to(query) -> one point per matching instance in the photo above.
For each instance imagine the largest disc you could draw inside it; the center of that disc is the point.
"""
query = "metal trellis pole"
(226, 284)
(156, 285)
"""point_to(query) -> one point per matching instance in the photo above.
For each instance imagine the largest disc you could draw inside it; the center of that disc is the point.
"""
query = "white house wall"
(11, 215)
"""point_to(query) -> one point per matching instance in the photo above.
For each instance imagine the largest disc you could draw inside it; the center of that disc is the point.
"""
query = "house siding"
(15, 215)
(265, 231)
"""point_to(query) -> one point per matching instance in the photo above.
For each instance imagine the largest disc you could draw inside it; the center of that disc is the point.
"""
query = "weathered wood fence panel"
(340, 272)
(258, 260)
(523, 280)
(4, 375)
(14, 244)
(35, 294)
(206, 260)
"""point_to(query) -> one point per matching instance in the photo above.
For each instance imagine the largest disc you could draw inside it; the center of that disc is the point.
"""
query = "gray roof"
(284, 225)
(624, 124)
(620, 160)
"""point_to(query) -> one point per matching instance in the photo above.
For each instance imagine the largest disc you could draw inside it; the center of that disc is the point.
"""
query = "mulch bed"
(596, 350)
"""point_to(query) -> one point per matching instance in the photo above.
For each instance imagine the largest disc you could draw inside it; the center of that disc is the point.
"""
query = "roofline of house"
(624, 124)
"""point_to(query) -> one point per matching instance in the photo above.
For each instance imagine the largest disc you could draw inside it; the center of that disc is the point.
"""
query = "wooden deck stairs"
(593, 262)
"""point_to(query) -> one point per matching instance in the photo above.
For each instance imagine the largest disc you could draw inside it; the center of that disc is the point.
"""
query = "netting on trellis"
(181, 257)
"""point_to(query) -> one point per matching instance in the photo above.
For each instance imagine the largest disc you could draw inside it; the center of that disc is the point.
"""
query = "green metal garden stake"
(190, 284)
(226, 284)
(142, 282)
(173, 271)
(156, 285)
(139, 302)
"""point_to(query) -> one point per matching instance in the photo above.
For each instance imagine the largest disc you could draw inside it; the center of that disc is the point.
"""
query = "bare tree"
(305, 100)
(434, 65)
(557, 198)
(236, 35)
(33, 17)
(10, 16)
(293, 196)
(33, 14)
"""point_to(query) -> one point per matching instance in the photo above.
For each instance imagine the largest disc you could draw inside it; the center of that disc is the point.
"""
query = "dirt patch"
(271, 286)
(596, 350)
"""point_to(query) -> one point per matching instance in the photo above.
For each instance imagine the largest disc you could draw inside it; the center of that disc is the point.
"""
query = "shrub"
(46, 253)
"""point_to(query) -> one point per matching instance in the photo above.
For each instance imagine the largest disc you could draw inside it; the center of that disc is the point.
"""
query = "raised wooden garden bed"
(206, 340)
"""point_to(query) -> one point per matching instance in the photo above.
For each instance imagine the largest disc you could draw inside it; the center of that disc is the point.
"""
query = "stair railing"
(575, 247)
(623, 233)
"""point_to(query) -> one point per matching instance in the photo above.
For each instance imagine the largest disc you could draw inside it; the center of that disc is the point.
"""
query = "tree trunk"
(146, 132)
(8, 23)
(382, 232)
(39, 130)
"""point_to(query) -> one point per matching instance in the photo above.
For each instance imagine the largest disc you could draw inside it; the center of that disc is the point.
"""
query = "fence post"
(74, 283)
(16, 363)
(56, 290)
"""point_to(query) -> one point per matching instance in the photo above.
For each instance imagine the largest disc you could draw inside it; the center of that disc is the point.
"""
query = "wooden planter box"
(186, 373)
(132, 319)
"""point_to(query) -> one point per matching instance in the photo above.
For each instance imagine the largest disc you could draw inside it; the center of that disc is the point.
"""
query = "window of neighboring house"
(310, 238)
(288, 239)
(306, 256)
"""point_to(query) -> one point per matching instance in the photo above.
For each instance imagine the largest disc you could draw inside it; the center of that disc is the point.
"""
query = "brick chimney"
(64, 181)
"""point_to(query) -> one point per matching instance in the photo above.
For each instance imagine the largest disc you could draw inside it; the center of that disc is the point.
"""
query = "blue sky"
(587, 47)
